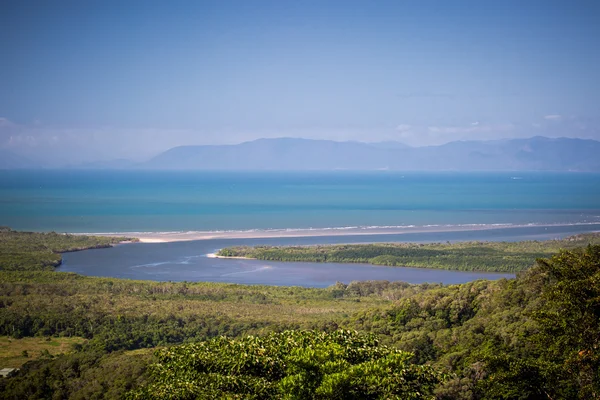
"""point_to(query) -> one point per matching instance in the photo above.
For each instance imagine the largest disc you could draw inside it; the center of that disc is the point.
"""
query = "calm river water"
(187, 261)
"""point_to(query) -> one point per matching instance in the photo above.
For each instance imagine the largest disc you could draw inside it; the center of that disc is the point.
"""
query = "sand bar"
(215, 255)
(162, 237)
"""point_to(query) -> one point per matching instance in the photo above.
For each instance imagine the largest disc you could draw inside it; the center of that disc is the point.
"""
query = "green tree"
(564, 359)
(570, 318)
(288, 365)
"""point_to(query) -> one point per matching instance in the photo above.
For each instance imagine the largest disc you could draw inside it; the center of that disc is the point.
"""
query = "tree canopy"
(289, 365)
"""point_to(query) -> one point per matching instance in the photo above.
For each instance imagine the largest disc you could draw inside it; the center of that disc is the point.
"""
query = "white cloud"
(553, 117)
(403, 128)
(57, 146)
(441, 134)
(472, 128)
(6, 123)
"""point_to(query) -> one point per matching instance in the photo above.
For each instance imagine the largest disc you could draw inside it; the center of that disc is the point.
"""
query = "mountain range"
(532, 154)
(536, 154)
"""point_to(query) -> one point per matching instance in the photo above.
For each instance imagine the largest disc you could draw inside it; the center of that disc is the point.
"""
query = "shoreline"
(166, 237)
(215, 255)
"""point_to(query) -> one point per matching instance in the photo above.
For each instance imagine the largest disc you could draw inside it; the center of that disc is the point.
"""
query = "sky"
(98, 80)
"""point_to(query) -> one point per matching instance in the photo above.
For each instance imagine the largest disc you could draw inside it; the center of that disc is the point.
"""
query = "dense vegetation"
(291, 365)
(125, 314)
(465, 256)
(533, 337)
(116, 315)
(34, 251)
(83, 375)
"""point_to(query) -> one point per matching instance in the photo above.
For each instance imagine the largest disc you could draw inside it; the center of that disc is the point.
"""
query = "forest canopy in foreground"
(293, 365)
(462, 256)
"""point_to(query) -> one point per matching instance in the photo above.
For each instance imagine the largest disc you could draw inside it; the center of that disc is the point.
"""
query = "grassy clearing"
(16, 352)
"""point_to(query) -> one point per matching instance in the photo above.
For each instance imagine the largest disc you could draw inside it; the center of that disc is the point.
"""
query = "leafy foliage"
(467, 256)
(291, 364)
(565, 358)
(78, 376)
(529, 338)
(569, 321)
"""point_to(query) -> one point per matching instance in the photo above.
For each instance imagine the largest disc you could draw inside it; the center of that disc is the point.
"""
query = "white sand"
(214, 255)
(162, 237)
(153, 240)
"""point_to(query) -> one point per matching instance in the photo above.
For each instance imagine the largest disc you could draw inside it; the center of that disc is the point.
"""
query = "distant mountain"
(10, 160)
(533, 154)
(274, 154)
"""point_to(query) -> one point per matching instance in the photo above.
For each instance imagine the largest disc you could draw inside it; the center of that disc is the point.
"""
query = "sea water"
(159, 201)
(509, 206)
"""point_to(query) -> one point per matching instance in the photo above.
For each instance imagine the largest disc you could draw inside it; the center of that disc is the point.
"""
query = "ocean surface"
(430, 206)
(151, 201)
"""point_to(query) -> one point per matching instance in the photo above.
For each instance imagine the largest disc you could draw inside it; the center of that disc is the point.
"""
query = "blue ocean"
(151, 201)
(419, 207)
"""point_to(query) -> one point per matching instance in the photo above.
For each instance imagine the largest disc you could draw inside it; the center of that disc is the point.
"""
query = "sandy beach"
(162, 237)
(215, 255)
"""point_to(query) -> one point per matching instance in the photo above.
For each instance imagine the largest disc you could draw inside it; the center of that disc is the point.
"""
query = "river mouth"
(189, 260)
(200, 268)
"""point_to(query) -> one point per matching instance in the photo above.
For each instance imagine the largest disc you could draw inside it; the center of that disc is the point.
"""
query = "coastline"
(215, 255)
(165, 237)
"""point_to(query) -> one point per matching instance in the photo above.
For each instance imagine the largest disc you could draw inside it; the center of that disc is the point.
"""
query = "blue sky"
(131, 78)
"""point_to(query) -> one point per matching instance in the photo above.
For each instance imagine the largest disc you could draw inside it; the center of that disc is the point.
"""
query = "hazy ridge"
(532, 154)
(535, 154)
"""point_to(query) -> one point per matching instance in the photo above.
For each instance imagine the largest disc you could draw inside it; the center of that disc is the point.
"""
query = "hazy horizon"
(101, 80)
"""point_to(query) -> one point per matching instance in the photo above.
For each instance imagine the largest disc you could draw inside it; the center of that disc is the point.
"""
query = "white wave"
(188, 259)
(181, 261)
(349, 228)
(248, 272)
(150, 265)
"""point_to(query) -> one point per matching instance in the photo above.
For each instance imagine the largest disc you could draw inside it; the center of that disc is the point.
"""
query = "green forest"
(533, 337)
(31, 251)
(462, 256)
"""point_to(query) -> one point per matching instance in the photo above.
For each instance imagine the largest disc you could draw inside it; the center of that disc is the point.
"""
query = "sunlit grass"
(16, 352)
